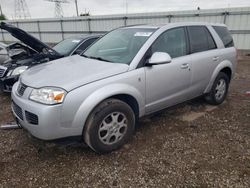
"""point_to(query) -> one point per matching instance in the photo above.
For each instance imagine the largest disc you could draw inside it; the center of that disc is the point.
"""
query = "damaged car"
(32, 52)
(3, 53)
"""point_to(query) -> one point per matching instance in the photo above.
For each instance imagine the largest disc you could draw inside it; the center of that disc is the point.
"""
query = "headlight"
(19, 70)
(48, 95)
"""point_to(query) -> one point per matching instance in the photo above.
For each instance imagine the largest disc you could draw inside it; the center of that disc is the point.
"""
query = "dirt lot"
(191, 145)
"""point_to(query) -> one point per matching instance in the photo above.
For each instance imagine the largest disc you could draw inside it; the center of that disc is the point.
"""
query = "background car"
(33, 52)
(3, 53)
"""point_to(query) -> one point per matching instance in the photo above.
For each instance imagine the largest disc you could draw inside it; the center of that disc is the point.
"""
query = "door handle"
(215, 58)
(185, 66)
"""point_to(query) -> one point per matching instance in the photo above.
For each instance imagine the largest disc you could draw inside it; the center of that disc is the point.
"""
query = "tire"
(217, 96)
(110, 125)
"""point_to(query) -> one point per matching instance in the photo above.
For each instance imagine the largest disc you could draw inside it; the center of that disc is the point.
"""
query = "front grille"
(2, 71)
(31, 118)
(17, 110)
(21, 89)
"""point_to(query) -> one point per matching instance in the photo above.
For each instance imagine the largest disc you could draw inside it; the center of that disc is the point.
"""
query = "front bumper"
(48, 126)
(1, 85)
(7, 83)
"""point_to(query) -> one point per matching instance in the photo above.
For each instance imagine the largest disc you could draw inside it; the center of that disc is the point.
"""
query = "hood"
(28, 39)
(70, 72)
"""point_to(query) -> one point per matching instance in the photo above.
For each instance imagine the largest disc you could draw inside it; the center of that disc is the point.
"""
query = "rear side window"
(200, 39)
(225, 36)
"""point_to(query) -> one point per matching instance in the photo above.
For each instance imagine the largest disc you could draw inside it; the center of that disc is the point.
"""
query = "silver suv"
(129, 73)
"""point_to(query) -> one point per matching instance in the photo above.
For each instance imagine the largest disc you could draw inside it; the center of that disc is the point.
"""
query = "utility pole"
(1, 12)
(77, 13)
(126, 7)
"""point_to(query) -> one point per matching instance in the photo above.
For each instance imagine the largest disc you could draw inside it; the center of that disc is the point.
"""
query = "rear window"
(225, 36)
(200, 39)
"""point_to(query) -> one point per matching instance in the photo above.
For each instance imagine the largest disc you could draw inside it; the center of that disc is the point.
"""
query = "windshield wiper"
(85, 56)
(98, 58)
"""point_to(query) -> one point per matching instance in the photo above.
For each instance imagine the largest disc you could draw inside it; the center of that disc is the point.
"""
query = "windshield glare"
(66, 46)
(119, 46)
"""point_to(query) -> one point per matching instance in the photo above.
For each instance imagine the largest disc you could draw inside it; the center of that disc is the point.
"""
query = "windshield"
(119, 46)
(66, 46)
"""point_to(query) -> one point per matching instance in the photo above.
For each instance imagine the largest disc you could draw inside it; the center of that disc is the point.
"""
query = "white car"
(129, 73)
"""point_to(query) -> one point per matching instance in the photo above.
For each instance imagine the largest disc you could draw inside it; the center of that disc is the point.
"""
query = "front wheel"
(219, 90)
(109, 126)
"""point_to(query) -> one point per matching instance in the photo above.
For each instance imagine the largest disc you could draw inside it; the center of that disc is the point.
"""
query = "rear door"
(205, 57)
(168, 84)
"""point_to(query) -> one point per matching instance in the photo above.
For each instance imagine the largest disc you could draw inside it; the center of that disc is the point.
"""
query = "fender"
(222, 65)
(100, 95)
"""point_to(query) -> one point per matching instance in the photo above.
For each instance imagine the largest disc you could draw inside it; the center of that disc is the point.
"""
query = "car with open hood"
(32, 52)
(3, 53)
(130, 72)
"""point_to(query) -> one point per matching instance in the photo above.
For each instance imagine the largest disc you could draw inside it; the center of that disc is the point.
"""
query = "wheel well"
(131, 101)
(227, 71)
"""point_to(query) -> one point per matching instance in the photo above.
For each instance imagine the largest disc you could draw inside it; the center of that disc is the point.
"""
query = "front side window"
(200, 39)
(172, 42)
(120, 45)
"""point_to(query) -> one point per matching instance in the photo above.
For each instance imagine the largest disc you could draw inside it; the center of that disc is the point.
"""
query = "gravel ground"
(190, 145)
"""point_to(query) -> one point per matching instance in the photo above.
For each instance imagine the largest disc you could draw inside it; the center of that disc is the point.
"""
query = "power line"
(21, 10)
(58, 7)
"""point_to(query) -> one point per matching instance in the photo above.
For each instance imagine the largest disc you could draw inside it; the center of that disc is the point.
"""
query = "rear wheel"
(219, 90)
(109, 126)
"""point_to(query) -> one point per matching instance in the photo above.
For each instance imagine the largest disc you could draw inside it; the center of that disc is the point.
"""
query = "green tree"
(3, 17)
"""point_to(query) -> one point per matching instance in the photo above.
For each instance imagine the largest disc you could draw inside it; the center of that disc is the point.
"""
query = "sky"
(45, 9)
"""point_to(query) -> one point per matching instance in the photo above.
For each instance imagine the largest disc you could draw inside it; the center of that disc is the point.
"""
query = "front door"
(168, 84)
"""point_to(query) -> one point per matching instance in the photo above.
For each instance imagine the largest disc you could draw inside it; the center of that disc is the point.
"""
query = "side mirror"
(159, 58)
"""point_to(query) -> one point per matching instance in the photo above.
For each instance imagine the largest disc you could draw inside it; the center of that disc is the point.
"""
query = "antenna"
(21, 10)
(58, 7)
